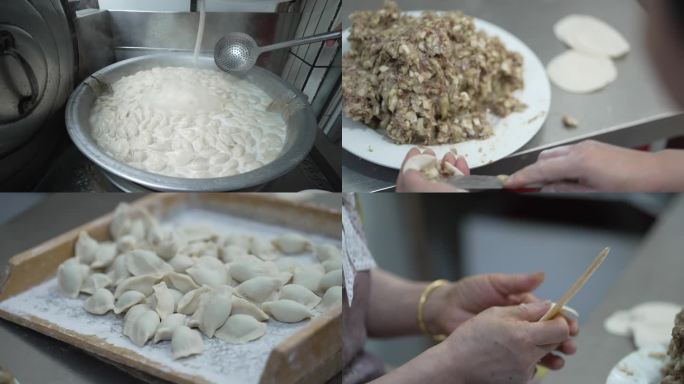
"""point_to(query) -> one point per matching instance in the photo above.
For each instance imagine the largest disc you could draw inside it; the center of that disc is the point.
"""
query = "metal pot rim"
(287, 160)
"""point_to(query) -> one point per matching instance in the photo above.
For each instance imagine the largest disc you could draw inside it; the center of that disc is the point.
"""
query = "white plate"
(639, 367)
(510, 133)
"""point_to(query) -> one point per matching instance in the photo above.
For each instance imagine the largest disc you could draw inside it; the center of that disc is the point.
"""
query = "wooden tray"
(313, 355)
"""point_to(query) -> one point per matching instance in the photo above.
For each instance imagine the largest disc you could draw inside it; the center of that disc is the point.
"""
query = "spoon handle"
(303, 40)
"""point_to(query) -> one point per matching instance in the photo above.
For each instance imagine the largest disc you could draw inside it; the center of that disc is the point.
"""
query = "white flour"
(188, 122)
(219, 363)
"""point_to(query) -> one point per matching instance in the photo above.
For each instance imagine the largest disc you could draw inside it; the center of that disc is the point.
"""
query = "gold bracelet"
(421, 308)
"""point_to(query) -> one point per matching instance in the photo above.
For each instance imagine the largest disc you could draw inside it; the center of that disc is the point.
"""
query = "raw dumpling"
(242, 271)
(142, 284)
(70, 276)
(287, 264)
(332, 264)
(142, 327)
(326, 251)
(200, 249)
(263, 249)
(239, 240)
(127, 300)
(213, 311)
(164, 302)
(190, 301)
(578, 72)
(85, 248)
(104, 255)
(244, 307)
(198, 232)
(177, 296)
(166, 244)
(208, 262)
(126, 243)
(292, 243)
(308, 276)
(330, 279)
(591, 35)
(117, 271)
(207, 276)
(239, 329)
(181, 262)
(168, 325)
(287, 311)
(135, 311)
(259, 289)
(181, 282)
(101, 302)
(299, 294)
(95, 281)
(230, 253)
(186, 342)
(332, 297)
(142, 262)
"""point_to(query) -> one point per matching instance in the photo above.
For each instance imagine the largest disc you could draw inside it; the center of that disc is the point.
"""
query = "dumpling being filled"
(239, 329)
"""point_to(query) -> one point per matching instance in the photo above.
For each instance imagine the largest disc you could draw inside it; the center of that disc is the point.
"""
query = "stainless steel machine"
(90, 39)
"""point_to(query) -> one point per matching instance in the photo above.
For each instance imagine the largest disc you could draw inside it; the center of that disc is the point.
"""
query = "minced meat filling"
(673, 371)
(429, 79)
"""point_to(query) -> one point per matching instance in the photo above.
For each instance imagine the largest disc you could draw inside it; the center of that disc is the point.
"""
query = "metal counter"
(655, 274)
(631, 112)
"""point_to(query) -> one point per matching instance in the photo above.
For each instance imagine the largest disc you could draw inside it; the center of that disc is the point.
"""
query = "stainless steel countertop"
(655, 273)
(632, 111)
(33, 357)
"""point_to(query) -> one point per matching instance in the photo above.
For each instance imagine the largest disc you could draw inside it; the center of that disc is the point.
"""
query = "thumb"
(530, 311)
(516, 284)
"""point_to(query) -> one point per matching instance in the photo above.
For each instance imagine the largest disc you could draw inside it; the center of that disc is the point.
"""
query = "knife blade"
(476, 182)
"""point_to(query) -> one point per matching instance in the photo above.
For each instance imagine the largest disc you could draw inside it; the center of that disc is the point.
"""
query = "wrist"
(435, 307)
(665, 170)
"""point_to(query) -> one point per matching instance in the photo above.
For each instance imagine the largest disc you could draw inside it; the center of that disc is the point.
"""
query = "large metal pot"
(301, 126)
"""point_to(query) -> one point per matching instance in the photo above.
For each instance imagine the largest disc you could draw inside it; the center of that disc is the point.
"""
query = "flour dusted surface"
(188, 122)
(219, 363)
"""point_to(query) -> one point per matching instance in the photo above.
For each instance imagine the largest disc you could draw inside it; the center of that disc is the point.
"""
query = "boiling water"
(200, 30)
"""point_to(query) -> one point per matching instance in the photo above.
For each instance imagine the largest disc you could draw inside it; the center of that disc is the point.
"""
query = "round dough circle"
(619, 323)
(591, 35)
(577, 72)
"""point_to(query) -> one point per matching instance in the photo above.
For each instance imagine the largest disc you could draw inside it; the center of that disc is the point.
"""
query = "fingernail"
(540, 276)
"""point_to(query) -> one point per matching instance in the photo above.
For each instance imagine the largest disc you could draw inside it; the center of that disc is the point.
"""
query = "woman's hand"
(591, 166)
(414, 181)
(450, 306)
(504, 344)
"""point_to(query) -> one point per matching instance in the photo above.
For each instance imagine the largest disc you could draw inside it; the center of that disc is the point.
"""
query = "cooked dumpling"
(263, 249)
(168, 325)
(230, 253)
(242, 271)
(164, 303)
(142, 262)
(127, 300)
(101, 302)
(207, 276)
(104, 255)
(95, 281)
(179, 281)
(332, 297)
(117, 271)
(259, 289)
(186, 342)
(85, 248)
(287, 311)
(244, 307)
(142, 327)
(308, 276)
(239, 329)
(190, 301)
(300, 294)
(142, 284)
(181, 262)
(327, 251)
(213, 311)
(70, 276)
(292, 243)
(126, 243)
(330, 279)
